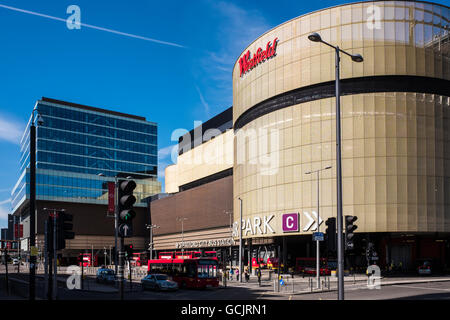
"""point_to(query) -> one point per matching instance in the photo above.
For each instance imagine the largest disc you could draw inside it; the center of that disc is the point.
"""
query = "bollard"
(292, 285)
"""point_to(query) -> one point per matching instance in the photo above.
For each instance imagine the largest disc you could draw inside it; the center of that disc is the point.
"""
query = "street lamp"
(151, 227)
(230, 213)
(32, 275)
(318, 224)
(240, 241)
(182, 231)
(315, 37)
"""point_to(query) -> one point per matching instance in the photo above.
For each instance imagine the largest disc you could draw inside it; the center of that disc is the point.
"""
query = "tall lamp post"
(315, 37)
(230, 213)
(240, 241)
(318, 224)
(182, 231)
(32, 275)
(150, 247)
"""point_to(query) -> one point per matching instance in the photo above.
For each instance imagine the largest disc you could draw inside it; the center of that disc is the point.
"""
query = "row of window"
(65, 192)
(57, 135)
(150, 171)
(77, 182)
(71, 160)
(71, 187)
(49, 145)
(97, 130)
(93, 118)
(17, 196)
(399, 32)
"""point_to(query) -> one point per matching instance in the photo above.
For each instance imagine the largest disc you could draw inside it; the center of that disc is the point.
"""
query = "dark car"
(105, 275)
(425, 267)
(158, 282)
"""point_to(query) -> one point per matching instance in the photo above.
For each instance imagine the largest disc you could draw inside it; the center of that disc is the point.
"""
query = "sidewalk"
(300, 285)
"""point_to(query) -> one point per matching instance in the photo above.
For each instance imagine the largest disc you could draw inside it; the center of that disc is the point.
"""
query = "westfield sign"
(247, 62)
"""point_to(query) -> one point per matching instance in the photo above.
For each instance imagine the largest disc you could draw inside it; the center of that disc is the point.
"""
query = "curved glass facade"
(395, 159)
(394, 37)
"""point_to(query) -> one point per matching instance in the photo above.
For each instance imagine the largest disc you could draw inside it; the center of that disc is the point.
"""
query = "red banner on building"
(18, 234)
(111, 189)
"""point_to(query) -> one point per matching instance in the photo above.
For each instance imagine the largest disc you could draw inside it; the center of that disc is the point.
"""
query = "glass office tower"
(79, 149)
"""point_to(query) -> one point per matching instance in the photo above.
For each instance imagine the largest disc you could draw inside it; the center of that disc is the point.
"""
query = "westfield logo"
(247, 62)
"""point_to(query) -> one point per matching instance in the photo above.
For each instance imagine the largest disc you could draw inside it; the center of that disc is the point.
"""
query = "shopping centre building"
(395, 109)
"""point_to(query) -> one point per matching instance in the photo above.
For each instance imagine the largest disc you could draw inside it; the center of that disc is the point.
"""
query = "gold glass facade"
(395, 145)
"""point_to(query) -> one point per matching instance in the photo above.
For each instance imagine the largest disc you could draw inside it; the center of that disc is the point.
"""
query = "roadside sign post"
(318, 236)
(55, 271)
(5, 254)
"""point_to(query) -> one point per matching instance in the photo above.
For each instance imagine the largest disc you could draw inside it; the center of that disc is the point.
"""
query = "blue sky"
(172, 84)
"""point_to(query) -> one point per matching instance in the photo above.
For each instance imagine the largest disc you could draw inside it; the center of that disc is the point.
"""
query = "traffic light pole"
(46, 254)
(55, 271)
(121, 264)
(116, 221)
(124, 215)
(5, 253)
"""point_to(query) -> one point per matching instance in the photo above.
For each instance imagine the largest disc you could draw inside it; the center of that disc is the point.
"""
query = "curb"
(382, 284)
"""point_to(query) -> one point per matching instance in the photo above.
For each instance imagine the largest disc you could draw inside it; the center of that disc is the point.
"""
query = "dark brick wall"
(90, 219)
(203, 206)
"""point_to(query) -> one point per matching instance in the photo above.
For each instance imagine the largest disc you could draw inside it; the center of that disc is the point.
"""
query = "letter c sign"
(290, 222)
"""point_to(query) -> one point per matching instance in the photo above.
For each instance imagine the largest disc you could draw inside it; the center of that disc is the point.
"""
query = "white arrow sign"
(125, 230)
(312, 222)
(314, 227)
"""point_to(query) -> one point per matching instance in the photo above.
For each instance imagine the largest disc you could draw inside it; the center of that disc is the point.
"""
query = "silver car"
(158, 282)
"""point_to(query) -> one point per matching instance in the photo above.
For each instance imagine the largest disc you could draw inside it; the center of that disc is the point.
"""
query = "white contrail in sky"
(93, 27)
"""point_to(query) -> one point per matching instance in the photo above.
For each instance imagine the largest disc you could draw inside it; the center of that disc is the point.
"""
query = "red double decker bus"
(139, 259)
(186, 254)
(86, 259)
(188, 273)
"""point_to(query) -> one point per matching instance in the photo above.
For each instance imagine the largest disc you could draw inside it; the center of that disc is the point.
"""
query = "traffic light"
(331, 234)
(64, 229)
(349, 229)
(128, 251)
(125, 203)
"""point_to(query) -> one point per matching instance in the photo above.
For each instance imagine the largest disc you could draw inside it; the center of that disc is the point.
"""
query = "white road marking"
(424, 288)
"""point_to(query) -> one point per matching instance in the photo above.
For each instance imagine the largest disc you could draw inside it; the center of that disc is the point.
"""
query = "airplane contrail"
(94, 27)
